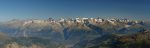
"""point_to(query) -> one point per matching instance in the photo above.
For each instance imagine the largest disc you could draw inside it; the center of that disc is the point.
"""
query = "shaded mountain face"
(139, 40)
(46, 34)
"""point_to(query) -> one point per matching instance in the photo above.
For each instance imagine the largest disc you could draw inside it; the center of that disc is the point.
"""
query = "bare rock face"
(15, 45)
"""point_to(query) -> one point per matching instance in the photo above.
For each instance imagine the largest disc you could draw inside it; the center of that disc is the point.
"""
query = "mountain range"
(69, 34)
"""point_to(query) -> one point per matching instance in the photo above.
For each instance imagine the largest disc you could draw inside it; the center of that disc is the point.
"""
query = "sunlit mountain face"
(74, 33)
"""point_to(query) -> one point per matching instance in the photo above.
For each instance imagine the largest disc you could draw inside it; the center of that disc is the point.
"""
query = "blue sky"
(43, 9)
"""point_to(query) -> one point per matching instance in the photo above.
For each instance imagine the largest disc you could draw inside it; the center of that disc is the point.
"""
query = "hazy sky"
(43, 9)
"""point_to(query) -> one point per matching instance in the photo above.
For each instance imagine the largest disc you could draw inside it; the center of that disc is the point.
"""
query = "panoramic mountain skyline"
(43, 9)
(74, 24)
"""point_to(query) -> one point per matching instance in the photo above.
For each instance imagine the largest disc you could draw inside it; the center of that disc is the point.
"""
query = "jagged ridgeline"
(70, 33)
